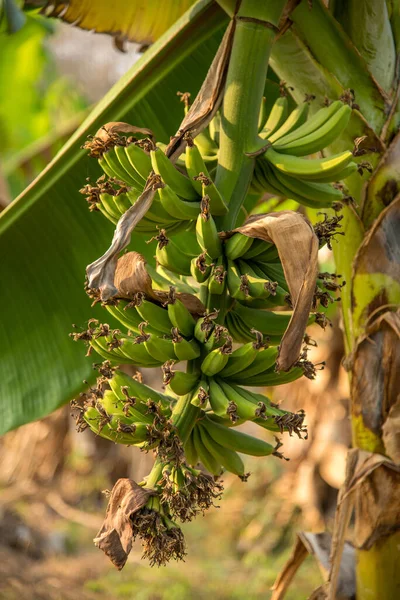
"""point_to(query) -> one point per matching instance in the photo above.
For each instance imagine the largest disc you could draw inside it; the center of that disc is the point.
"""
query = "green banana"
(171, 256)
(170, 175)
(156, 316)
(297, 117)
(271, 378)
(311, 190)
(229, 459)
(264, 360)
(96, 423)
(214, 128)
(320, 139)
(175, 206)
(313, 124)
(122, 203)
(258, 287)
(183, 383)
(215, 361)
(204, 327)
(263, 114)
(115, 166)
(195, 165)
(216, 282)
(130, 411)
(121, 381)
(276, 117)
(138, 354)
(179, 314)
(242, 357)
(131, 176)
(209, 189)
(201, 396)
(237, 441)
(108, 203)
(190, 452)
(206, 231)
(309, 169)
(139, 160)
(237, 245)
(238, 405)
(218, 400)
(209, 461)
(267, 322)
(185, 349)
(258, 247)
(200, 268)
(161, 349)
(237, 283)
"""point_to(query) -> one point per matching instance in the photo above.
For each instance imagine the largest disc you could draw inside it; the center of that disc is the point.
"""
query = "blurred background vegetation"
(49, 79)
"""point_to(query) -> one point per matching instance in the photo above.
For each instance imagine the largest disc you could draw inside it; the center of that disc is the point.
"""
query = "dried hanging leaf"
(297, 246)
(132, 277)
(115, 535)
(101, 272)
(319, 546)
(207, 100)
(372, 484)
(375, 382)
(391, 432)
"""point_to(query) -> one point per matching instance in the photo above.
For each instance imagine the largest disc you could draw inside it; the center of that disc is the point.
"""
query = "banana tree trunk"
(350, 48)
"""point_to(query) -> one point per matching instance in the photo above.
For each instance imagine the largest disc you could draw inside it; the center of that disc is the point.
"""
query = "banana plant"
(230, 295)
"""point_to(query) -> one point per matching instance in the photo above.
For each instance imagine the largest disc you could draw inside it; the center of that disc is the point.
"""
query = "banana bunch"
(284, 140)
(125, 411)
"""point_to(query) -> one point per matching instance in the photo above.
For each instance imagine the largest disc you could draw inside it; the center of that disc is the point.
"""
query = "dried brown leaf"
(297, 246)
(319, 546)
(208, 99)
(131, 277)
(113, 127)
(101, 272)
(391, 432)
(375, 383)
(115, 535)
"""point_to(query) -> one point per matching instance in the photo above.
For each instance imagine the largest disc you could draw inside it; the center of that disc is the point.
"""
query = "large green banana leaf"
(47, 236)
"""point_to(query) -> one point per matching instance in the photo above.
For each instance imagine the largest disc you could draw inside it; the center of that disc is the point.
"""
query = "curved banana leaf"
(47, 236)
(142, 21)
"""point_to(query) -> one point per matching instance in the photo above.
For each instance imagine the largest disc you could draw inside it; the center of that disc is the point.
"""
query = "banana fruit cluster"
(286, 139)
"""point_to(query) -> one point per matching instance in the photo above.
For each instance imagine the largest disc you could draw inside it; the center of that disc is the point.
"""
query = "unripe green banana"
(258, 247)
(214, 128)
(138, 354)
(122, 203)
(191, 455)
(297, 117)
(274, 272)
(309, 169)
(139, 160)
(264, 360)
(272, 378)
(237, 283)
(129, 411)
(170, 175)
(229, 459)
(218, 399)
(201, 396)
(179, 314)
(175, 206)
(96, 423)
(263, 114)
(209, 461)
(237, 246)
(183, 383)
(218, 206)
(170, 256)
(267, 322)
(207, 233)
(258, 287)
(316, 193)
(132, 177)
(185, 349)
(219, 338)
(216, 282)
(195, 165)
(156, 316)
(313, 124)
(121, 381)
(242, 357)
(320, 139)
(215, 361)
(161, 349)
(239, 407)
(108, 202)
(115, 166)
(237, 441)
(276, 117)
(200, 268)
(204, 327)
